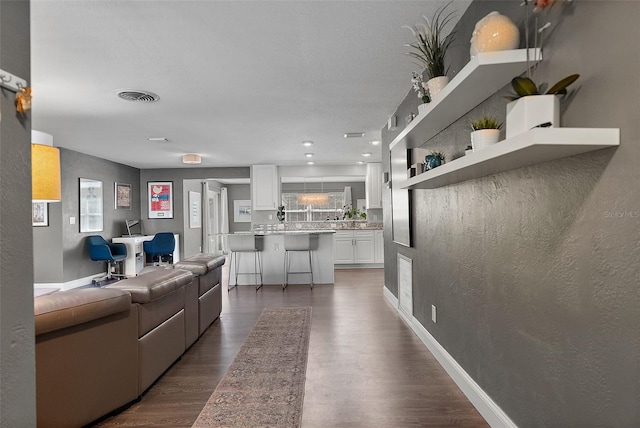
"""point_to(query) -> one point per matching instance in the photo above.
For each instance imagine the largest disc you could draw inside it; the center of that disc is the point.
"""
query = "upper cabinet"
(484, 75)
(264, 187)
(373, 185)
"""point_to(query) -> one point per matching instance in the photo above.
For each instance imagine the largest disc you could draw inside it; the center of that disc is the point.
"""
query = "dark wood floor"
(366, 368)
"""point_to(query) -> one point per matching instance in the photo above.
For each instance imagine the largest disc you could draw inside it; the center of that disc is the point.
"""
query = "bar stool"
(244, 243)
(297, 242)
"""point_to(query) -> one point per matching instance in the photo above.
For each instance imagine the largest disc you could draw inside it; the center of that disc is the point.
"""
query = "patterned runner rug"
(264, 386)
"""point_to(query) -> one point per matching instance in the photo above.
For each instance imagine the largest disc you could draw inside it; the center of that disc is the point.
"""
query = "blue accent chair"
(160, 248)
(103, 251)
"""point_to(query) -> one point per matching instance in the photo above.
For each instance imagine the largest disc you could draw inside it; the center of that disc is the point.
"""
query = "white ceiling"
(240, 82)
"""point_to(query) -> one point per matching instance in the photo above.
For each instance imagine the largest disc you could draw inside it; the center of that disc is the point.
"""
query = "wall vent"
(139, 96)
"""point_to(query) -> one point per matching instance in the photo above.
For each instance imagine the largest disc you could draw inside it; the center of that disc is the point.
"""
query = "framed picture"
(242, 211)
(40, 213)
(160, 199)
(123, 196)
(194, 211)
(91, 205)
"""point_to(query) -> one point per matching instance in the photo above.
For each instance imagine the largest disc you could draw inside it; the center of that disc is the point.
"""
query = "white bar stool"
(244, 243)
(297, 242)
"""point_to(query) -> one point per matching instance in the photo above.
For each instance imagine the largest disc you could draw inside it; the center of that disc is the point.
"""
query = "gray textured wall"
(237, 192)
(75, 255)
(17, 348)
(535, 271)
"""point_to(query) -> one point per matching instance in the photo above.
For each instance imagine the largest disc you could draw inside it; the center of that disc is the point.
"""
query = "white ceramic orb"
(494, 32)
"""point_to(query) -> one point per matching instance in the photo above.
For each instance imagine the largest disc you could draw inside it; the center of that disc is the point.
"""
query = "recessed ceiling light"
(309, 155)
(192, 158)
(310, 163)
(307, 143)
(374, 142)
(158, 139)
(360, 162)
(353, 134)
(366, 155)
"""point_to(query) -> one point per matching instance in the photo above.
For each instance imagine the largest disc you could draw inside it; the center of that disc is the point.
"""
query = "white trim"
(489, 410)
(393, 300)
(71, 284)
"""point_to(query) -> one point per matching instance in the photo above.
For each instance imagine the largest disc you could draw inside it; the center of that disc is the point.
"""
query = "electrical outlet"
(72, 220)
(270, 216)
(433, 313)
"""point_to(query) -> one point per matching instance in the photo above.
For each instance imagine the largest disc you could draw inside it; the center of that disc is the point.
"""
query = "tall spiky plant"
(430, 47)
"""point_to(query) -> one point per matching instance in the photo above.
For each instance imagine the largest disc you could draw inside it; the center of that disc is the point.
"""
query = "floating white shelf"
(530, 148)
(483, 76)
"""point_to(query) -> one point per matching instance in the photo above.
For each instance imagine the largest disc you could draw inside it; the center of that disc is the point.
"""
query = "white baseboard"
(489, 410)
(70, 284)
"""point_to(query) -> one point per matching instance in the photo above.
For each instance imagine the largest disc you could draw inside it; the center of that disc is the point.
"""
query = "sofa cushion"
(154, 284)
(68, 308)
(201, 264)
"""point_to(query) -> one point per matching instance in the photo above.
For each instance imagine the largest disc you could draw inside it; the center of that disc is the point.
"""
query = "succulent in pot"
(433, 160)
(485, 132)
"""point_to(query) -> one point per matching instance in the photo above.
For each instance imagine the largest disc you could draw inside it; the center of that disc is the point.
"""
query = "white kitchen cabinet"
(354, 247)
(363, 243)
(264, 187)
(373, 185)
(343, 247)
(378, 246)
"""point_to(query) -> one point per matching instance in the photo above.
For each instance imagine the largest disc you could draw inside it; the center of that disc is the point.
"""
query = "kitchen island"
(270, 243)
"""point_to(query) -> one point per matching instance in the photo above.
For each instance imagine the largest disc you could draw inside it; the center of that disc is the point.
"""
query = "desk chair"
(103, 251)
(161, 247)
(244, 243)
(296, 243)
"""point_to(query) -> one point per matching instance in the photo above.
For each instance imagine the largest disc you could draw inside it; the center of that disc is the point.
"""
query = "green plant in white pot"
(430, 47)
(485, 132)
(532, 107)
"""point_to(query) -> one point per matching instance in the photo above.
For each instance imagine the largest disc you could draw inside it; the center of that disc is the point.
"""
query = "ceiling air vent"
(139, 96)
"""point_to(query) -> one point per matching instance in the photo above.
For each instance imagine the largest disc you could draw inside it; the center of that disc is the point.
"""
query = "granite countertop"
(293, 232)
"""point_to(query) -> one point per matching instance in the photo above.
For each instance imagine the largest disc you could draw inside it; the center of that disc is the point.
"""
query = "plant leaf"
(562, 85)
(524, 86)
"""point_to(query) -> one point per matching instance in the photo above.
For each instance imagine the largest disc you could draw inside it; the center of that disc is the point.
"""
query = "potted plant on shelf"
(485, 132)
(420, 87)
(531, 106)
(430, 47)
(433, 160)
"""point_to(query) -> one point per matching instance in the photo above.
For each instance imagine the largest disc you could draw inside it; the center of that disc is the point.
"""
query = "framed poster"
(123, 196)
(160, 199)
(40, 214)
(91, 205)
(242, 211)
(194, 211)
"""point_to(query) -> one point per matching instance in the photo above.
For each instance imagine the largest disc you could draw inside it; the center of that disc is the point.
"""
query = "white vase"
(436, 84)
(484, 138)
(528, 112)
(422, 107)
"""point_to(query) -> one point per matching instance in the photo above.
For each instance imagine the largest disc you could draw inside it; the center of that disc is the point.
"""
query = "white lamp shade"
(45, 174)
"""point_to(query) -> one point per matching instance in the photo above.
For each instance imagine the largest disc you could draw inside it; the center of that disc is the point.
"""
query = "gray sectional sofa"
(97, 349)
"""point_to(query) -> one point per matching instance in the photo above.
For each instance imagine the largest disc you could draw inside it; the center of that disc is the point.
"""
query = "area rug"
(264, 387)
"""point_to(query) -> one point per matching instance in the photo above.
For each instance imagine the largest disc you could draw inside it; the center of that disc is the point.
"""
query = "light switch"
(72, 220)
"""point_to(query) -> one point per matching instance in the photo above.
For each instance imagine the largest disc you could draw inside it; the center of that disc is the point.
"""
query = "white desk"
(134, 262)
